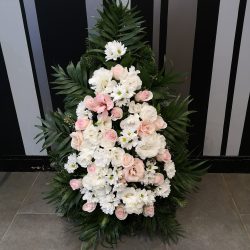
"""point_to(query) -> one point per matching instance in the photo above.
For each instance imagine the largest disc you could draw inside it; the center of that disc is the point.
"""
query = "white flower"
(148, 113)
(170, 169)
(134, 107)
(71, 164)
(82, 112)
(85, 157)
(163, 190)
(132, 79)
(102, 82)
(128, 139)
(118, 93)
(114, 50)
(149, 146)
(91, 134)
(133, 203)
(102, 157)
(117, 156)
(131, 123)
(104, 124)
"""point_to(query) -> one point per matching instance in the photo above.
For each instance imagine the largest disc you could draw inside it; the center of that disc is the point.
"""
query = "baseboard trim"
(223, 164)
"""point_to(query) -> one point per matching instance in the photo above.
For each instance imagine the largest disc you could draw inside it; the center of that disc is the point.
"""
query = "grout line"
(28, 192)
(32, 213)
(235, 205)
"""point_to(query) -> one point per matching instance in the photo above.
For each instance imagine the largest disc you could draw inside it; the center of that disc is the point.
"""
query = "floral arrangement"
(119, 149)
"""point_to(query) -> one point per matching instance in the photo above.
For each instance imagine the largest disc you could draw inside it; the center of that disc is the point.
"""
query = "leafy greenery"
(117, 22)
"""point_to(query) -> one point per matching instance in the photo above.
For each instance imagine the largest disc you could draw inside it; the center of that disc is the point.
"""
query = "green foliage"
(117, 22)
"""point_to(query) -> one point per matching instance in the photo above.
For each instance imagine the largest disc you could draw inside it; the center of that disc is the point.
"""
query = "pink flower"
(158, 179)
(89, 207)
(145, 128)
(117, 71)
(128, 161)
(110, 135)
(120, 212)
(148, 211)
(116, 113)
(82, 123)
(143, 96)
(76, 140)
(90, 103)
(164, 156)
(75, 184)
(136, 172)
(91, 168)
(103, 102)
(160, 123)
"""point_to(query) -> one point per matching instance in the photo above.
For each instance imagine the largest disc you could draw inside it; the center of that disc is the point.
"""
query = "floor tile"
(39, 232)
(246, 220)
(239, 186)
(35, 202)
(13, 189)
(138, 243)
(210, 219)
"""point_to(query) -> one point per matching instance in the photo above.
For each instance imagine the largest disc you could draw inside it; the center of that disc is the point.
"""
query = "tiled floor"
(217, 217)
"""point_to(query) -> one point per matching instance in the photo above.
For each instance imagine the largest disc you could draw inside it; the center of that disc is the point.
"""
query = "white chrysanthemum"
(114, 50)
(101, 81)
(170, 169)
(118, 93)
(148, 113)
(149, 146)
(132, 122)
(82, 112)
(71, 164)
(128, 139)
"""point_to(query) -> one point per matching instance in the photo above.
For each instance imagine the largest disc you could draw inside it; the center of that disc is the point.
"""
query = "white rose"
(149, 146)
(148, 113)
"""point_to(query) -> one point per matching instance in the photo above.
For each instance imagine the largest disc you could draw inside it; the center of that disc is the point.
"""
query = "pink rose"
(120, 212)
(117, 71)
(89, 207)
(148, 210)
(91, 168)
(143, 96)
(164, 156)
(136, 172)
(76, 140)
(128, 161)
(82, 123)
(103, 102)
(158, 179)
(110, 135)
(145, 128)
(90, 103)
(75, 184)
(116, 113)
(160, 123)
